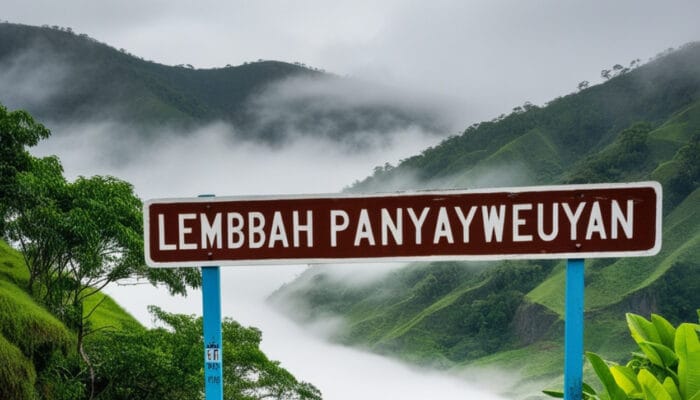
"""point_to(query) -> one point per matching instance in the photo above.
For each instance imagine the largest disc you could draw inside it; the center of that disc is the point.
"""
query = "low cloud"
(31, 79)
(355, 113)
(212, 159)
(388, 178)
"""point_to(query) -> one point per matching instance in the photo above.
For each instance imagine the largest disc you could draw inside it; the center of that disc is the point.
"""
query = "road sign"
(570, 221)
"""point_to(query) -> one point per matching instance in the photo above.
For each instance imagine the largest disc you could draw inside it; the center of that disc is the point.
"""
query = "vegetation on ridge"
(86, 81)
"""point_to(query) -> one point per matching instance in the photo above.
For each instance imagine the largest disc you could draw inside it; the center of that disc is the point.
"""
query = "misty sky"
(490, 55)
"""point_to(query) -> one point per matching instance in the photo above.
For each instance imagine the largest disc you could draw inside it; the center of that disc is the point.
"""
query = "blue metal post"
(211, 301)
(573, 331)
(211, 315)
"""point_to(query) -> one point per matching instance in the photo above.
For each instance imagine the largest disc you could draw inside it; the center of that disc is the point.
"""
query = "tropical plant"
(667, 367)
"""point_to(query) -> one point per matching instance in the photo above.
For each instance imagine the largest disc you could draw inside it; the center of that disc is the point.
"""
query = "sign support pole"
(211, 316)
(573, 330)
(211, 302)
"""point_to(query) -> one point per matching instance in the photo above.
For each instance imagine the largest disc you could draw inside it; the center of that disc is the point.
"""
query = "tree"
(76, 238)
(35, 221)
(167, 363)
(687, 177)
(18, 130)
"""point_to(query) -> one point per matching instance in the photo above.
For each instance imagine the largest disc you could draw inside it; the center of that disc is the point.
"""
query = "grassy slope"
(24, 327)
(395, 322)
(27, 329)
(533, 154)
(679, 232)
(610, 284)
(606, 287)
(14, 273)
(17, 375)
(681, 242)
(435, 307)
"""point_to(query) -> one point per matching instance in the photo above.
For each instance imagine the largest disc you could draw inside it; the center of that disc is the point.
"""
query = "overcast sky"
(489, 55)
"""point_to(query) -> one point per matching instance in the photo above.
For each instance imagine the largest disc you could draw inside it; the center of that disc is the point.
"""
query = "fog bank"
(209, 161)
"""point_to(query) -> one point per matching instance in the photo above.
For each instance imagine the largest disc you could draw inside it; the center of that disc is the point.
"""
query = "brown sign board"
(570, 221)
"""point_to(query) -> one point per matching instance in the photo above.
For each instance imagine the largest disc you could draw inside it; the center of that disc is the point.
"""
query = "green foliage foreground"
(667, 367)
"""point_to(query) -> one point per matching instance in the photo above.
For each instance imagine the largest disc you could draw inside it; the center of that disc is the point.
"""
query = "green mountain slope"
(641, 125)
(29, 334)
(143, 90)
(541, 144)
(61, 77)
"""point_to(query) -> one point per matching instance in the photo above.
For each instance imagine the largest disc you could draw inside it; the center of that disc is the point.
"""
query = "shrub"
(666, 368)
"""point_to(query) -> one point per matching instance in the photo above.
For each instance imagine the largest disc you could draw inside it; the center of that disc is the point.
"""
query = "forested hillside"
(642, 124)
(60, 76)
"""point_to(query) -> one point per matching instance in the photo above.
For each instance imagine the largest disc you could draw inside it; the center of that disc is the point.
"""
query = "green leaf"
(601, 369)
(659, 354)
(651, 354)
(588, 391)
(688, 351)
(627, 380)
(666, 331)
(653, 390)
(641, 329)
(695, 326)
(670, 386)
(554, 393)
